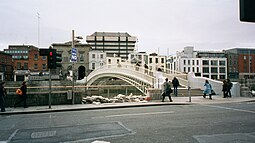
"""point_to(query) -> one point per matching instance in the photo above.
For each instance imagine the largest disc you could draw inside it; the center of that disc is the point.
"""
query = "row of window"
(94, 56)
(204, 62)
(25, 66)
(14, 52)
(157, 60)
(205, 69)
(20, 57)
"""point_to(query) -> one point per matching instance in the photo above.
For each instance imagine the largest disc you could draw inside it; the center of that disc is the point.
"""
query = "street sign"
(74, 55)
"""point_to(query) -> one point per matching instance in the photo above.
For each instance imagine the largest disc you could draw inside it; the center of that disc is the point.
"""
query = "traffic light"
(54, 59)
(58, 60)
(247, 10)
(51, 58)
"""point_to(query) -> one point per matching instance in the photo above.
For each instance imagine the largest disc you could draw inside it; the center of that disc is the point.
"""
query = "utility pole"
(38, 30)
(72, 69)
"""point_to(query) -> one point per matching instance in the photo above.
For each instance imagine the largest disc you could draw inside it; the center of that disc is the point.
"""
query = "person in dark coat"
(224, 88)
(175, 83)
(23, 97)
(2, 95)
(229, 86)
(167, 90)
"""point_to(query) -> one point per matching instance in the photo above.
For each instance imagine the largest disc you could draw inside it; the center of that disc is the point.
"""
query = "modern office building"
(241, 63)
(211, 64)
(120, 44)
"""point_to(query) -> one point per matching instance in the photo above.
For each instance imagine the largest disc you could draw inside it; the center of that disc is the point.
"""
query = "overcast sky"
(158, 24)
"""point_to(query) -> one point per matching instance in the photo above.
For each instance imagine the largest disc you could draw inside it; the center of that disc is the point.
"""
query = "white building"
(152, 61)
(211, 64)
(157, 62)
(96, 59)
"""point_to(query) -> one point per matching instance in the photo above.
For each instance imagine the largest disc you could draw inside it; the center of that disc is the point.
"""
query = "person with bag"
(175, 83)
(23, 96)
(167, 90)
(2, 96)
(229, 86)
(224, 88)
(207, 90)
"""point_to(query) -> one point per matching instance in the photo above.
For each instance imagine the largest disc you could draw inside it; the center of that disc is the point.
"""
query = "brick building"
(6, 69)
(26, 61)
(241, 63)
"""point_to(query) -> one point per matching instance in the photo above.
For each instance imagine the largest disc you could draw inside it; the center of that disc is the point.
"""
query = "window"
(109, 61)
(150, 60)
(222, 63)
(197, 62)
(36, 57)
(184, 62)
(101, 64)
(118, 61)
(35, 66)
(44, 66)
(193, 69)
(43, 58)
(188, 62)
(156, 60)
(222, 70)
(18, 66)
(81, 57)
(193, 62)
(188, 69)
(214, 70)
(184, 69)
(214, 63)
(101, 56)
(93, 66)
(205, 70)
(205, 62)
(93, 56)
(162, 60)
(197, 69)
(25, 66)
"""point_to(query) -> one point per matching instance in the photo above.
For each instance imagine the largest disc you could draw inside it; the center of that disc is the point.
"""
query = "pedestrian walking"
(224, 88)
(207, 90)
(229, 86)
(175, 83)
(167, 90)
(2, 96)
(23, 96)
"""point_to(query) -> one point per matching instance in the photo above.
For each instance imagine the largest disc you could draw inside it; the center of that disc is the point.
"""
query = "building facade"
(241, 63)
(81, 67)
(26, 61)
(96, 59)
(117, 43)
(6, 68)
(211, 64)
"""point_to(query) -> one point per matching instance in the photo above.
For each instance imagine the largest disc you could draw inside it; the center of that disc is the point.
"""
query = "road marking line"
(234, 109)
(136, 114)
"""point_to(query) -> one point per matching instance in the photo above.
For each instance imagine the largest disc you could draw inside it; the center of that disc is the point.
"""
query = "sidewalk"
(76, 107)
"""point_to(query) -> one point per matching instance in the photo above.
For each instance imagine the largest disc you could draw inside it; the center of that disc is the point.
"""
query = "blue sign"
(74, 55)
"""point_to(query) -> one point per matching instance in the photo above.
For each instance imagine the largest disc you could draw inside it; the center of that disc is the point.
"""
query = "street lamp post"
(73, 60)
(72, 69)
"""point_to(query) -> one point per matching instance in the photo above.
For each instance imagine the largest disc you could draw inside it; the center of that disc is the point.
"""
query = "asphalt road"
(221, 123)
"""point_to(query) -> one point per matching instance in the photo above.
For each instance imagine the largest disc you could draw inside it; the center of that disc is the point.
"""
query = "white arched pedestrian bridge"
(144, 79)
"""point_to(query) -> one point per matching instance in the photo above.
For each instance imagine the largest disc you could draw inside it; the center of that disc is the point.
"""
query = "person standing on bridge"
(175, 83)
(167, 90)
(207, 90)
